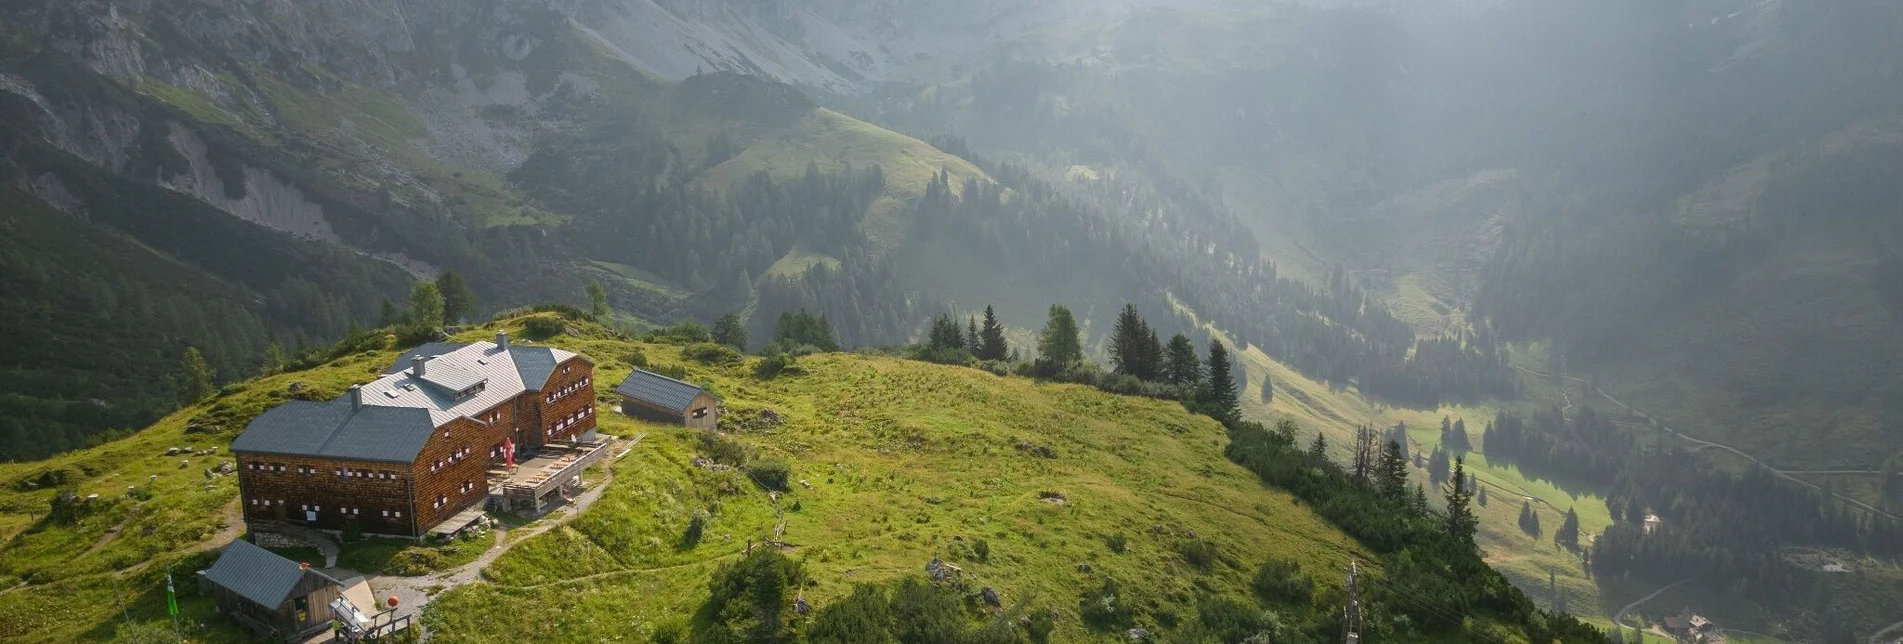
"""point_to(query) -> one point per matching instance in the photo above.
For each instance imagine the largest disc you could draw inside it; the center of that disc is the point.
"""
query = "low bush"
(542, 327)
(1280, 581)
(771, 472)
(1200, 553)
(710, 353)
(777, 364)
(1105, 608)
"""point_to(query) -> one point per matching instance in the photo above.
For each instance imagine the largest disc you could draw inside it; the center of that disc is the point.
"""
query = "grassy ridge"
(906, 461)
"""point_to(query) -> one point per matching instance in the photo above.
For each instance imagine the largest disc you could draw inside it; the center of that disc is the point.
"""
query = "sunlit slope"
(905, 461)
(893, 462)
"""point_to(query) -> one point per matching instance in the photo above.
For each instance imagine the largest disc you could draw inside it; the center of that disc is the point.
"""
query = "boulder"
(990, 596)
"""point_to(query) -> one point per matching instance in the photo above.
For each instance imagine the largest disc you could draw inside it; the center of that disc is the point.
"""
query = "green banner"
(171, 597)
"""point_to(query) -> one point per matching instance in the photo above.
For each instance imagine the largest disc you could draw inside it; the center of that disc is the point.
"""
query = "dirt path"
(110, 534)
(1783, 474)
(1618, 619)
(415, 593)
(1878, 637)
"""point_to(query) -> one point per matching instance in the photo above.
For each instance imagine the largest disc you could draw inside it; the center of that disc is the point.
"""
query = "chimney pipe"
(356, 397)
(502, 340)
(416, 366)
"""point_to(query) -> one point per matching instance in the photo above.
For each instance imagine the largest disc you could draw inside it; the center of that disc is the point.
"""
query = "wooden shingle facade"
(401, 454)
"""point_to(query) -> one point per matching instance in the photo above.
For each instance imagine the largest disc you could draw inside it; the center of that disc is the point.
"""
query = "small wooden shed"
(272, 596)
(652, 396)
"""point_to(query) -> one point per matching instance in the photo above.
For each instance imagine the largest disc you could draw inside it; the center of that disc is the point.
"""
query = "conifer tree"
(1219, 387)
(1567, 536)
(1318, 450)
(389, 316)
(1481, 497)
(1181, 366)
(1059, 342)
(972, 342)
(195, 376)
(1391, 472)
(1268, 392)
(1126, 342)
(1152, 366)
(991, 338)
(1437, 470)
(1529, 520)
(459, 303)
(1461, 522)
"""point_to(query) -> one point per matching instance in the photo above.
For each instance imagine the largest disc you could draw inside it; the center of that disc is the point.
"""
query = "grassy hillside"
(905, 461)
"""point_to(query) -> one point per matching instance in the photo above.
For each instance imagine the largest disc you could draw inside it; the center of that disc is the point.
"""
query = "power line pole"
(1351, 616)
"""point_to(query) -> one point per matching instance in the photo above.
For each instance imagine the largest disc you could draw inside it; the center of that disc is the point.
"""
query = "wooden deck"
(538, 481)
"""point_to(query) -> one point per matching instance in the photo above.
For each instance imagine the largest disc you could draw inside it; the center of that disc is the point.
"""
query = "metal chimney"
(502, 340)
(356, 397)
(416, 366)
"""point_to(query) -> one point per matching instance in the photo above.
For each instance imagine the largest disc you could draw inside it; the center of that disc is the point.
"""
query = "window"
(397, 514)
(386, 514)
(700, 412)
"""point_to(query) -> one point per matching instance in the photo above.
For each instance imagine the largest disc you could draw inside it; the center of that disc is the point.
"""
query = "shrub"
(696, 528)
(776, 364)
(676, 372)
(688, 331)
(1041, 624)
(1200, 553)
(1105, 608)
(710, 353)
(723, 450)
(542, 328)
(771, 472)
(982, 550)
(1280, 581)
(352, 533)
(1116, 543)
(415, 561)
(636, 359)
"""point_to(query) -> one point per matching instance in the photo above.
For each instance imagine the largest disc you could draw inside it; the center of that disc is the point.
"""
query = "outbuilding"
(274, 597)
(652, 396)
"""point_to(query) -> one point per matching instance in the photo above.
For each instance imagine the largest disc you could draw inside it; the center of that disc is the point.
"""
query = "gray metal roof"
(333, 429)
(426, 350)
(535, 364)
(255, 574)
(400, 410)
(658, 390)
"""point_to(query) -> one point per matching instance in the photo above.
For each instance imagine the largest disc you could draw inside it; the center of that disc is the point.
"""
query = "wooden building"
(652, 396)
(412, 452)
(271, 596)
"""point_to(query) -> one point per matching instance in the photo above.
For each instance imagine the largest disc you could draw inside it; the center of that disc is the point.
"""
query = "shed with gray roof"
(652, 396)
(274, 597)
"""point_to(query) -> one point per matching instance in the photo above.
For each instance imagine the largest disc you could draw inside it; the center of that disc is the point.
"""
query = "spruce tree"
(1181, 366)
(991, 338)
(1391, 472)
(1152, 365)
(1059, 343)
(195, 376)
(1219, 387)
(1567, 536)
(389, 316)
(1126, 342)
(972, 342)
(1437, 470)
(1461, 522)
(1318, 450)
(1529, 519)
(459, 303)
(1268, 392)
(1481, 497)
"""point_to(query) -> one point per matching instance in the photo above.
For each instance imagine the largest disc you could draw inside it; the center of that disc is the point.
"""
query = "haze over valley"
(1577, 320)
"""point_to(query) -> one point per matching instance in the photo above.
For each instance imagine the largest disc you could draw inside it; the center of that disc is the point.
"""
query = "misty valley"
(986, 322)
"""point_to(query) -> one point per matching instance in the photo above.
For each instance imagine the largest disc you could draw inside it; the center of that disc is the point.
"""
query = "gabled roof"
(399, 409)
(659, 391)
(506, 374)
(333, 429)
(257, 574)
